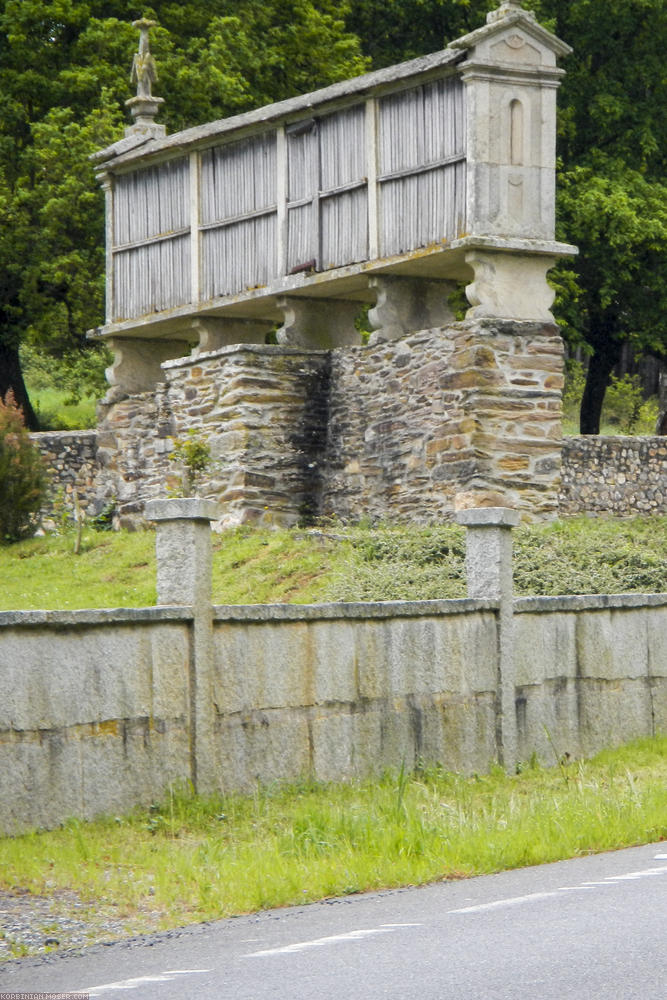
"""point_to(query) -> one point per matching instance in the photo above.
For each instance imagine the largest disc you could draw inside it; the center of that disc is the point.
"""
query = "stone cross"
(144, 70)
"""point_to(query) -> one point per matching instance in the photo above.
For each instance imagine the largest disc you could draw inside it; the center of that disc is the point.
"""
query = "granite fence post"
(489, 577)
(183, 548)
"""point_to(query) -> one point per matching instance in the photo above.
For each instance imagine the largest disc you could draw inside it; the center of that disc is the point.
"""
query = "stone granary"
(242, 253)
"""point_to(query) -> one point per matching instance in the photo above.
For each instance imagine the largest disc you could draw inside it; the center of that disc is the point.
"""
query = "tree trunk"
(600, 367)
(11, 377)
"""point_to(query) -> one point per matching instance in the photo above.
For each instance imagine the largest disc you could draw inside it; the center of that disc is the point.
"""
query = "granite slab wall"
(97, 713)
(94, 714)
(343, 691)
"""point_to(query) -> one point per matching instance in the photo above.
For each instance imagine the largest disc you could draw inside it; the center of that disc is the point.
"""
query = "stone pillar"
(508, 285)
(214, 332)
(406, 305)
(183, 548)
(489, 577)
(318, 323)
(137, 363)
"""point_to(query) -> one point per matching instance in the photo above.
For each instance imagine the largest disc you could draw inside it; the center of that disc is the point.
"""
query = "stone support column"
(406, 305)
(183, 548)
(489, 577)
(137, 363)
(509, 285)
(318, 323)
(215, 332)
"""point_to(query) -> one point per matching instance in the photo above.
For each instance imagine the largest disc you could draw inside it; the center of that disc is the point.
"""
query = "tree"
(612, 159)
(64, 78)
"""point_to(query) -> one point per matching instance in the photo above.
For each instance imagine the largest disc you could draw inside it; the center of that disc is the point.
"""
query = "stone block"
(262, 747)
(547, 719)
(612, 645)
(544, 647)
(612, 712)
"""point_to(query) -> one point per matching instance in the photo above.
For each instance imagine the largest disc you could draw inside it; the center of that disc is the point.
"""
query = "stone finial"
(144, 106)
(508, 7)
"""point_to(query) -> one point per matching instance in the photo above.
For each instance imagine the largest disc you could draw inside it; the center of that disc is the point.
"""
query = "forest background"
(64, 79)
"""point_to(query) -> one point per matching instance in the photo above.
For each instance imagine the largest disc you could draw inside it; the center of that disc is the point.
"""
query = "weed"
(193, 455)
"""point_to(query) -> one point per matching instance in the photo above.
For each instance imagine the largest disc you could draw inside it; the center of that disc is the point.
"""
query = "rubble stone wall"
(457, 417)
(72, 467)
(614, 475)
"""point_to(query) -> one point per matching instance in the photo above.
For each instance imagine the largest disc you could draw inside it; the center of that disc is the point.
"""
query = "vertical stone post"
(183, 548)
(489, 577)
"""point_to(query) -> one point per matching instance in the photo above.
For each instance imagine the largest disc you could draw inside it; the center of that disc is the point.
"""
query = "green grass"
(337, 562)
(113, 570)
(190, 859)
(55, 413)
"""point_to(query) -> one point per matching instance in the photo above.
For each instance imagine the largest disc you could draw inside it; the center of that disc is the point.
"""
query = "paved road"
(593, 928)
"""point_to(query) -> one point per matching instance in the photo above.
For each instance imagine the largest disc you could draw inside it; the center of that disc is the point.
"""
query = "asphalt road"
(593, 928)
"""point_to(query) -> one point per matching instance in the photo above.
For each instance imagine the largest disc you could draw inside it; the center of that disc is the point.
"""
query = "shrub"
(193, 455)
(22, 475)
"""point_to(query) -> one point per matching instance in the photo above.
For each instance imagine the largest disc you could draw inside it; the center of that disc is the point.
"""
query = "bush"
(22, 475)
(624, 411)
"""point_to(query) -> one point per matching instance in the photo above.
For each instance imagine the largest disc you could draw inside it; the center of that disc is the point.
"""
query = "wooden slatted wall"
(151, 240)
(292, 199)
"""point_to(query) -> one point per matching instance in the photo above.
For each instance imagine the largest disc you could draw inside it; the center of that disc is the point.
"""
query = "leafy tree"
(613, 159)
(64, 77)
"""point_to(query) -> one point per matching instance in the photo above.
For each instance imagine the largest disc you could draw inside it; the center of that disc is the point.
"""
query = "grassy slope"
(251, 566)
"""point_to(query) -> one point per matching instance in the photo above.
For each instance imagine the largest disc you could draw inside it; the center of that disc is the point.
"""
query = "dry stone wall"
(263, 411)
(72, 467)
(456, 417)
(614, 475)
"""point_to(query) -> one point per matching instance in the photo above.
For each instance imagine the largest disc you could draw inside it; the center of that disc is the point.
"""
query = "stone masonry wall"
(72, 466)
(614, 475)
(457, 417)
(263, 411)
(410, 430)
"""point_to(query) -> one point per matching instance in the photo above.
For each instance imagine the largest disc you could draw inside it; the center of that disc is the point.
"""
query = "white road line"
(660, 857)
(498, 904)
(331, 939)
(132, 984)
(530, 897)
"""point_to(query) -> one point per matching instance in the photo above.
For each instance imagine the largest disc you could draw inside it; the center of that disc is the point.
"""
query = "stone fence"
(103, 710)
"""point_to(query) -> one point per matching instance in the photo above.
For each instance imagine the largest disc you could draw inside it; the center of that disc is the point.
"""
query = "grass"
(55, 413)
(191, 859)
(338, 562)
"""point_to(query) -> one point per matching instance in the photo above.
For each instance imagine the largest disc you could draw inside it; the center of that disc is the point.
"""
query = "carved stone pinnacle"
(508, 7)
(144, 106)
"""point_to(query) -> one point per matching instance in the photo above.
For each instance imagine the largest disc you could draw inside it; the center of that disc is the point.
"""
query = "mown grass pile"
(190, 859)
(337, 562)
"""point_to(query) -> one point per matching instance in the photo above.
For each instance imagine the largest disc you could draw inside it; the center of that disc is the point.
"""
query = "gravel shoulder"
(32, 925)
